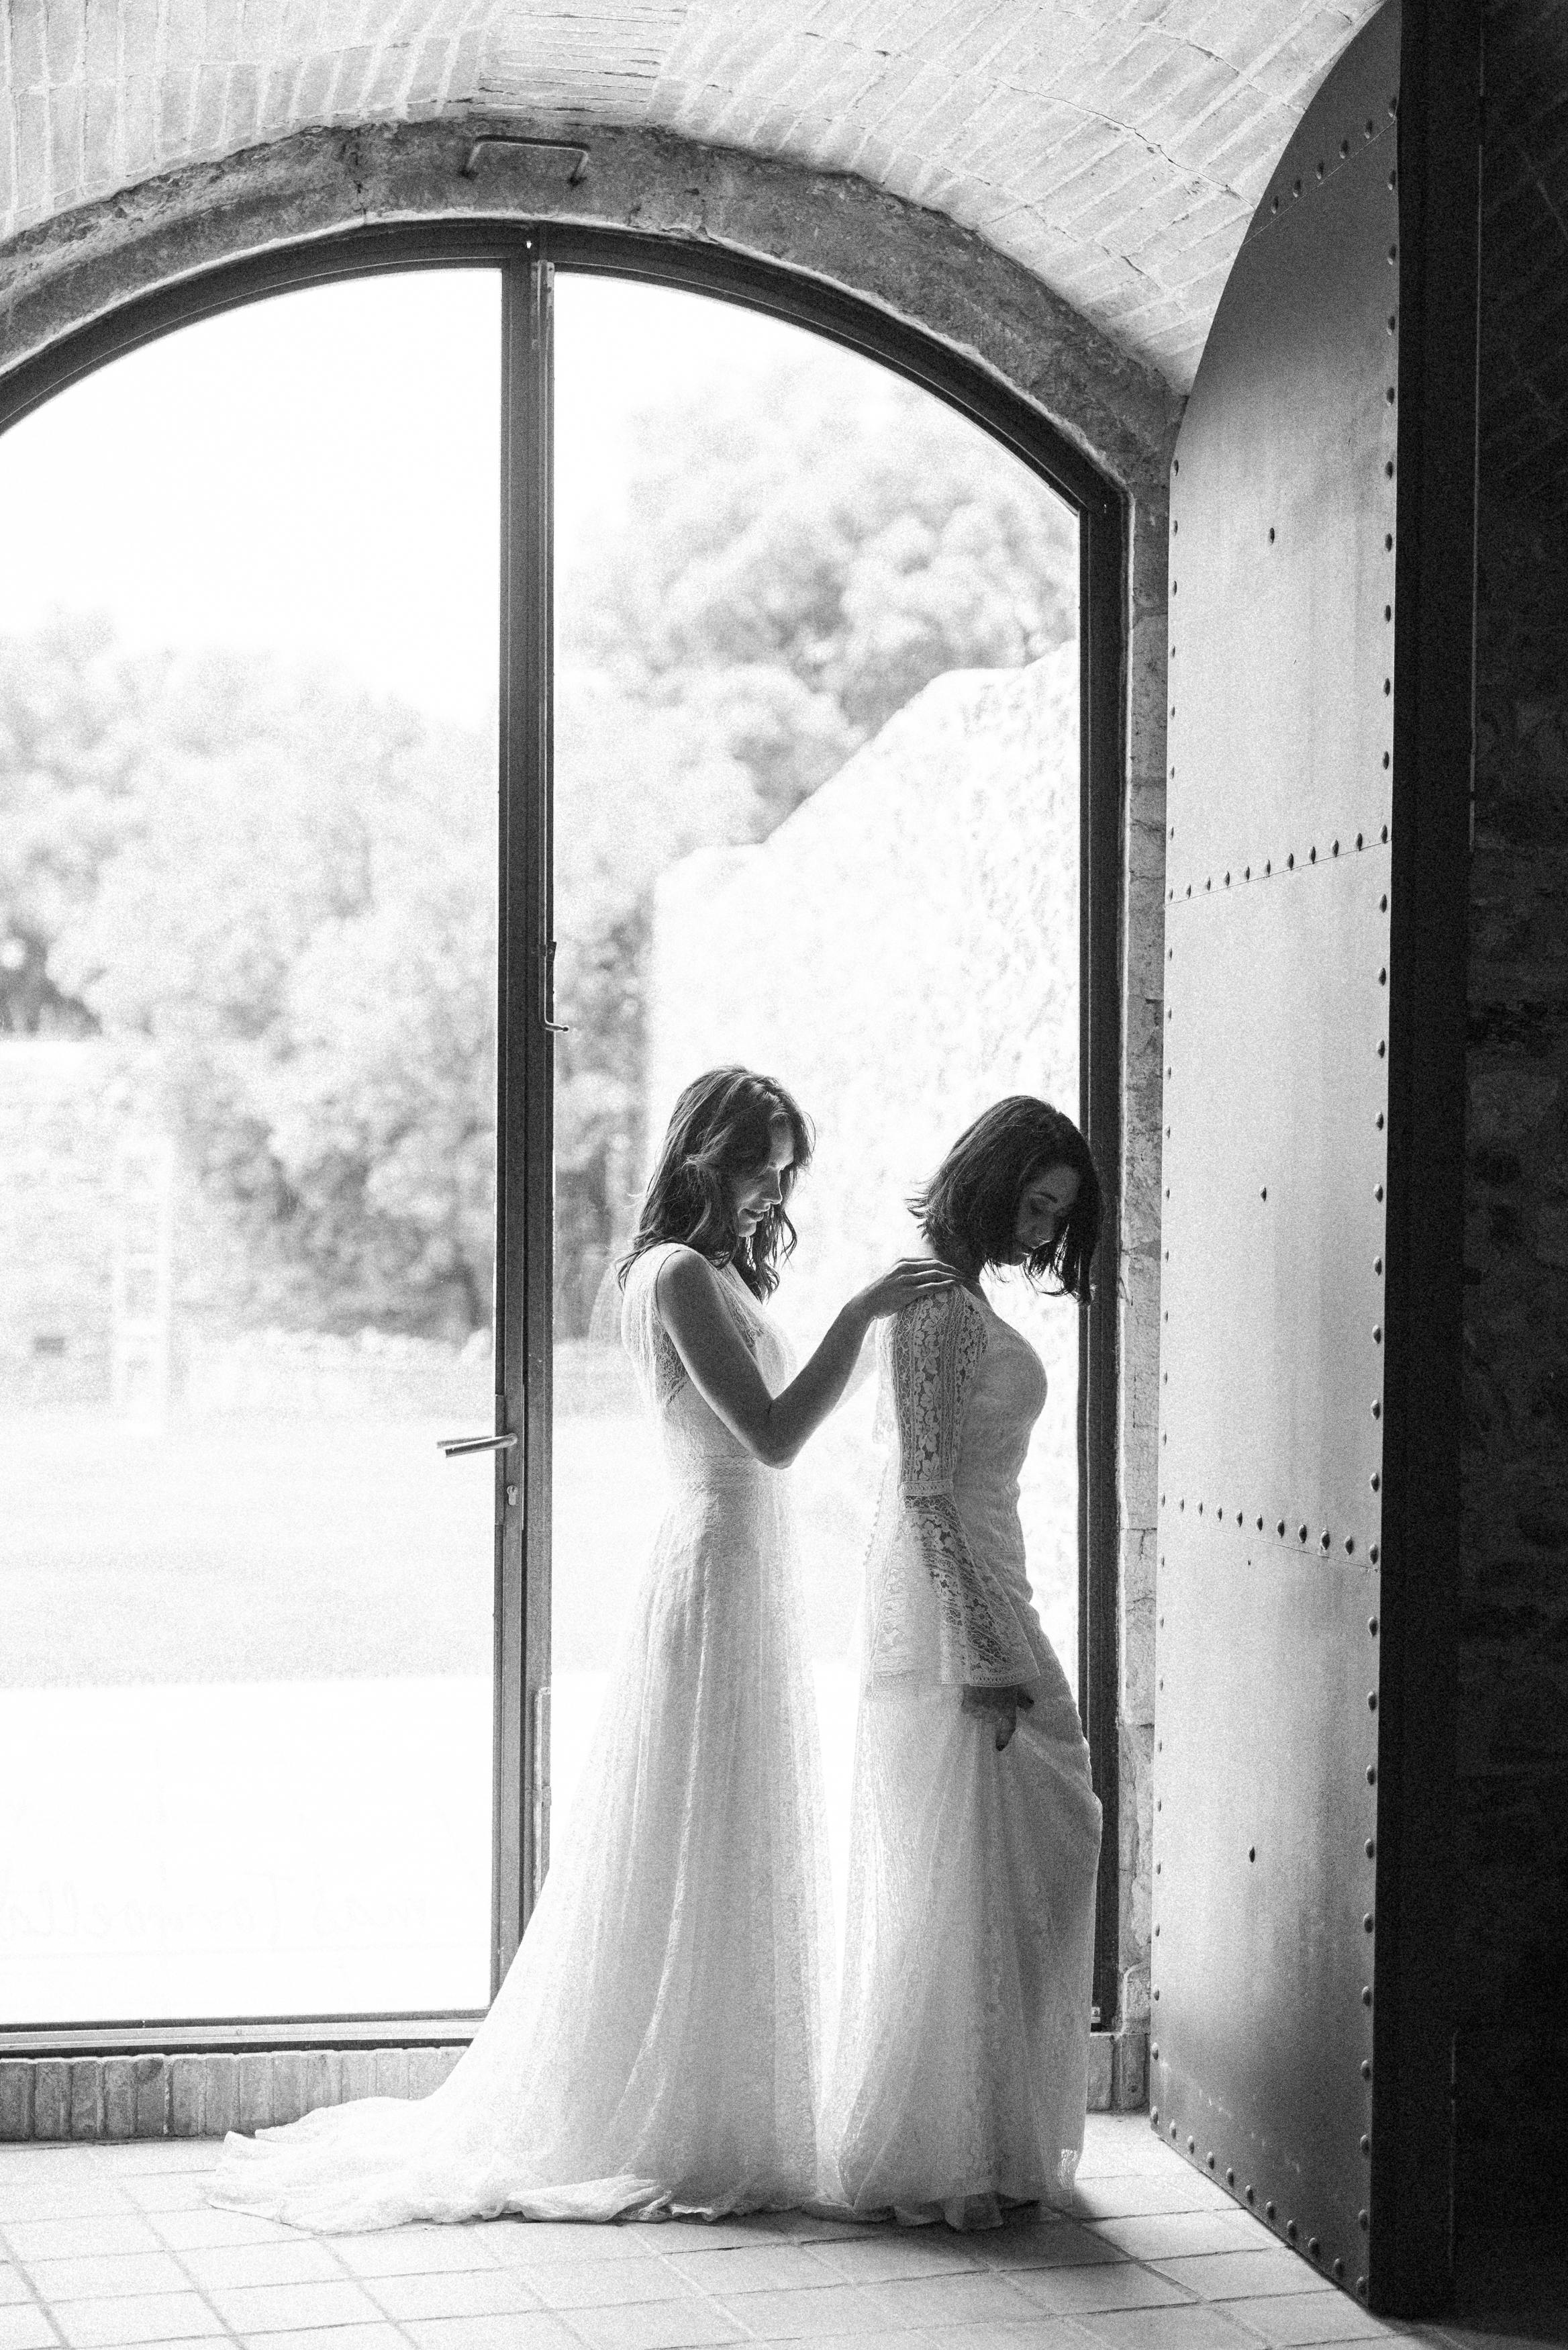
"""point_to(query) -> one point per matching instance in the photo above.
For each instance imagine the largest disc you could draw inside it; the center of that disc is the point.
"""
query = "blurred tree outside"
(278, 890)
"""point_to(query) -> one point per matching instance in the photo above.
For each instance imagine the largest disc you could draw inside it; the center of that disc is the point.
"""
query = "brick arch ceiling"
(1114, 147)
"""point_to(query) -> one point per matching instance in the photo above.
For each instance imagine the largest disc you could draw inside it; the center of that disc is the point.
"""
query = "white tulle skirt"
(656, 2044)
(961, 2071)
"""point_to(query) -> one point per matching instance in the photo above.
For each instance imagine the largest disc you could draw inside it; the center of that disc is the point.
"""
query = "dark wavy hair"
(721, 1127)
(971, 1204)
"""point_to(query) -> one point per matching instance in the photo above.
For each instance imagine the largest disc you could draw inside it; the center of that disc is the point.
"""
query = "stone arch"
(79, 286)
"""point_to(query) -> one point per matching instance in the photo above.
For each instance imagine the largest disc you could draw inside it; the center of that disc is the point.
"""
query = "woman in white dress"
(656, 2045)
(959, 2076)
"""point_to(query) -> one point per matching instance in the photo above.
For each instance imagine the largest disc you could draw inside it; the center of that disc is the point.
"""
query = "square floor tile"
(454, 2292)
(167, 2191)
(1120, 2284)
(605, 2285)
(899, 2252)
(847, 2308)
(688, 2325)
(1052, 2243)
(1169, 2235)
(278, 2308)
(1189, 2327)
(142, 2153)
(64, 2192)
(205, 2230)
(532, 2330)
(1237, 2276)
(136, 2317)
(303, 2261)
(1141, 2192)
(1035, 2332)
(24, 2326)
(961, 2298)
(756, 2267)
(378, 2336)
(13, 2287)
(410, 2252)
(1291, 2320)
(534, 2241)
(94, 2278)
(101, 2232)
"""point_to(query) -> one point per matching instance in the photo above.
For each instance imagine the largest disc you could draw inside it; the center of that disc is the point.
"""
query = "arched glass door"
(330, 1071)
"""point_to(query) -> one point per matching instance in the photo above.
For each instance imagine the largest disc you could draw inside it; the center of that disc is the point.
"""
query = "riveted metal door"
(1283, 554)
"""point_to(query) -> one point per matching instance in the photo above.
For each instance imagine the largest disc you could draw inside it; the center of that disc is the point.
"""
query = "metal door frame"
(523, 253)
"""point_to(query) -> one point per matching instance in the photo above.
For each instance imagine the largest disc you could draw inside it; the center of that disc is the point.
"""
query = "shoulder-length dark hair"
(970, 1207)
(721, 1127)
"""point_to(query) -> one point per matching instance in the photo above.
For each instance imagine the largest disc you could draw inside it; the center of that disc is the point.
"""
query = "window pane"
(817, 799)
(247, 685)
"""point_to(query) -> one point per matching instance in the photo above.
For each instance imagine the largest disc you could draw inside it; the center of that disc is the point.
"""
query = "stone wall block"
(220, 2095)
(119, 2097)
(321, 2079)
(151, 2079)
(16, 2099)
(254, 2092)
(390, 2072)
(1102, 2070)
(187, 2086)
(1129, 2080)
(287, 2086)
(357, 2078)
(51, 2099)
(85, 2094)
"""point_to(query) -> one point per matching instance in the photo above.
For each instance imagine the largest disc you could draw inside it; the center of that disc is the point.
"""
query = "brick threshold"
(86, 2100)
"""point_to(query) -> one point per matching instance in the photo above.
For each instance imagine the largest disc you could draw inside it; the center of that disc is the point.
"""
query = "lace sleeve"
(934, 1351)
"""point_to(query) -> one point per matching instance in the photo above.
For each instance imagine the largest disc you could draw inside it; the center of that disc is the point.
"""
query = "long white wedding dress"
(961, 2071)
(656, 2044)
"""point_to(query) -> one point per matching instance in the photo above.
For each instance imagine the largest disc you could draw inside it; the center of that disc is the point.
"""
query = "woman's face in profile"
(752, 1196)
(1043, 1206)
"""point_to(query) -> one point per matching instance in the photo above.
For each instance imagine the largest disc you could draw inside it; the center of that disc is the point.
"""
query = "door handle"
(547, 991)
(454, 1445)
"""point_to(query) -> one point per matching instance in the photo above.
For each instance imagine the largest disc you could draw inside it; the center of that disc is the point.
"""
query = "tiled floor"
(112, 2245)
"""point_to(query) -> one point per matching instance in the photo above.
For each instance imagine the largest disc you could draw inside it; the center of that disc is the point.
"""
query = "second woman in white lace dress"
(656, 2046)
(960, 2070)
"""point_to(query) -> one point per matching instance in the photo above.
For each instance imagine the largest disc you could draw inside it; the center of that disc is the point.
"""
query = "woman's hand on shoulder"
(1004, 1706)
(904, 1284)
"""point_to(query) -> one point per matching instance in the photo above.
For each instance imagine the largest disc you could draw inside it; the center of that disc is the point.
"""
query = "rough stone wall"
(1512, 1732)
(1116, 152)
(1512, 1735)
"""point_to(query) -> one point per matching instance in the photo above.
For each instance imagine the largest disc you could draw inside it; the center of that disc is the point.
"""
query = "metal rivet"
(1230, 2178)
(1371, 1625)
(1313, 2247)
(1324, 1539)
(1154, 2052)
(1378, 1264)
(1372, 1775)
(1291, 2230)
(1378, 1409)
(1268, 2211)
(1154, 2115)
(1370, 1848)
(1247, 874)
(1361, 2221)
(1350, 1545)
(1281, 1527)
(1251, 1852)
(1382, 1049)
(1291, 862)
(1372, 1554)
(1252, 2193)
(1377, 1122)
(1371, 1701)
(1270, 534)
(1210, 2162)
(1377, 1188)
(1366, 2145)
(1377, 1326)
(1366, 2002)
(1339, 2268)
(1264, 1192)
(1301, 1534)
(1191, 2145)
(1360, 2287)
(1384, 832)
(1365, 2071)
(1383, 976)
(1367, 1923)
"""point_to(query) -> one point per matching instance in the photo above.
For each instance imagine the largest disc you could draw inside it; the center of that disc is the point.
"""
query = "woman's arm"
(691, 1306)
(935, 1352)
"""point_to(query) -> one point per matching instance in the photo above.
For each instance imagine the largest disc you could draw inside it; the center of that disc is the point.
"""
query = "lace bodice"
(947, 1596)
